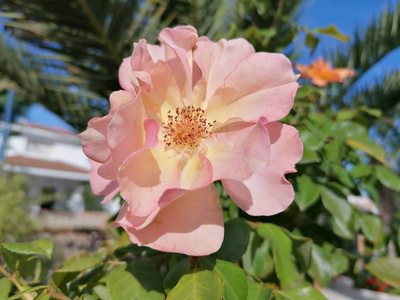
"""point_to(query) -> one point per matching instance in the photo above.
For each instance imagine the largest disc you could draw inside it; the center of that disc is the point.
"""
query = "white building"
(52, 160)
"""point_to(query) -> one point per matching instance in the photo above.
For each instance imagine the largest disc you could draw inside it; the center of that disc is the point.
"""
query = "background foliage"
(14, 223)
(287, 256)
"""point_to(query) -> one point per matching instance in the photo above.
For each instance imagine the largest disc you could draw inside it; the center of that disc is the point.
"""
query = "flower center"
(186, 127)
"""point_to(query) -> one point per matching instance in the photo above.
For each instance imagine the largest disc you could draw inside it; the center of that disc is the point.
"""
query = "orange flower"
(321, 72)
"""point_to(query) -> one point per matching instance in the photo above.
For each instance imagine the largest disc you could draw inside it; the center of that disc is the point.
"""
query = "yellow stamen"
(186, 128)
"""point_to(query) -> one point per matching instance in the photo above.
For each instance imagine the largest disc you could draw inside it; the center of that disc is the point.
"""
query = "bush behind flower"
(15, 222)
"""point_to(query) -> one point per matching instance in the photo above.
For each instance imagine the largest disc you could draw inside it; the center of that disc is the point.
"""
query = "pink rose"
(192, 112)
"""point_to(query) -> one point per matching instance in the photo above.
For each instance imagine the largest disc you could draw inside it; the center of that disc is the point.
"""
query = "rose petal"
(127, 80)
(140, 222)
(141, 62)
(217, 60)
(179, 42)
(157, 52)
(165, 94)
(196, 173)
(262, 85)
(101, 186)
(160, 91)
(268, 192)
(94, 139)
(145, 175)
(239, 153)
(192, 225)
(125, 135)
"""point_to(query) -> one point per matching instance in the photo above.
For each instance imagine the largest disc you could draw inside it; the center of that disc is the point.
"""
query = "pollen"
(186, 128)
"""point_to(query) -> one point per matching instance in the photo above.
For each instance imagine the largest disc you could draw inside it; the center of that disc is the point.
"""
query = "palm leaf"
(368, 49)
(19, 70)
(209, 17)
(95, 35)
(383, 95)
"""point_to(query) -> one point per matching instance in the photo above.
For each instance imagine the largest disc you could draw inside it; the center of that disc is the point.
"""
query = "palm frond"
(14, 69)
(368, 48)
(20, 70)
(94, 35)
(384, 95)
(209, 17)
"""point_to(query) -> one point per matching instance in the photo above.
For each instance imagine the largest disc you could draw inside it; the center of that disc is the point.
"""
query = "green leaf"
(173, 276)
(388, 178)
(39, 247)
(342, 175)
(372, 191)
(307, 192)
(320, 266)
(339, 262)
(342, 228)
(81, 264)
(346, 114)
(375, 112)
(267, 32)
(348, 129)
(263, 263)
(309, 156)
(130, 248)
(300, 293)
(71, 270)
(29, 260)
(312, 42)
(372, 227)
(233, 277)
(29, 290)
(61, 279)
(309, 92)
(257, 260)
(333, 151)
(258, 291)
(342, 211)
(138, 280)
(5, 288)
(102, 292)
(368, 147)
(398, 237)
(386, 269)
(302, 247)
(313, 142)
(326, 264)
(86, 297)
(286, 269)
(336, 204)
(263, 7)
(332, 31)
(361, 170)
(198, 285)
(43, 295)
(236, 239)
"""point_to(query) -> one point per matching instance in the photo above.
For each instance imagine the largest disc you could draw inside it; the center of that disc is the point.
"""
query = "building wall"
(56, 149)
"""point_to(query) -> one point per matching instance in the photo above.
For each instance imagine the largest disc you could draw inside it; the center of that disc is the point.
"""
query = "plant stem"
(58, 296)
(12, 278)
